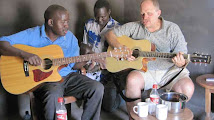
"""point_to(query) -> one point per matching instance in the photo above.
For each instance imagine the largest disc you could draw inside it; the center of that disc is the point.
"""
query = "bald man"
(168, 38)
(55, 32)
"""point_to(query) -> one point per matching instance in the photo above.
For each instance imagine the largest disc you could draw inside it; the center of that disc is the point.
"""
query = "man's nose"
(145, 16)
(100, 20)
(66, 25)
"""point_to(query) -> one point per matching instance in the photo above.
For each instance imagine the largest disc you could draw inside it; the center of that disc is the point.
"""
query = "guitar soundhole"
(135, 53)
(48, 63)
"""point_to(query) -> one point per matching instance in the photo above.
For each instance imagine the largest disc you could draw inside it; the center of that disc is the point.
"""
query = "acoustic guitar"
(17, 76)
(144, 52)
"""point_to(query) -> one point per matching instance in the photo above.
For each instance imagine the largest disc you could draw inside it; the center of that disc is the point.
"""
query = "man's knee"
(185, 86)
(189, 87)
(135, 80)
(97, 87)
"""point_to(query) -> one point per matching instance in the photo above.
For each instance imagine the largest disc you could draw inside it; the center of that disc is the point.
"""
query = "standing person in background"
(55, 32)
(94, 31)
(168, 38)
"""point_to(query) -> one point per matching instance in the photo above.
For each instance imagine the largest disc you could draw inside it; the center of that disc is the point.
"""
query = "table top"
(185, 115)
(201, 80)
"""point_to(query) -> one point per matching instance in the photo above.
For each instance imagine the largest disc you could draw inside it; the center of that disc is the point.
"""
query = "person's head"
(85, 49)
(56, 20)
(102, 12)
(150, 13)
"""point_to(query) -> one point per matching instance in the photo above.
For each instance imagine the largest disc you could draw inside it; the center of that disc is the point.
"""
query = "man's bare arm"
(112, 39)
(8, 50)
(78, 65)
(113, 42)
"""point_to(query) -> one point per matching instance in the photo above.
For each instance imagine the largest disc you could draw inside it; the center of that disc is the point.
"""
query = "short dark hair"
(101, 4)
(51, 10)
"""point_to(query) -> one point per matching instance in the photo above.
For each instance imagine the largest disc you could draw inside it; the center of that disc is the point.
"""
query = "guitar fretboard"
(81, 58)
(159, 55)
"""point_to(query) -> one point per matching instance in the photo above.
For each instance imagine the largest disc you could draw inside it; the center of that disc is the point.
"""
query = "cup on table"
(161, 111)
(142, 109)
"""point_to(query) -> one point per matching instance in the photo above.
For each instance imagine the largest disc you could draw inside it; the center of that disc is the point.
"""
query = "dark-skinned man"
(55, 31)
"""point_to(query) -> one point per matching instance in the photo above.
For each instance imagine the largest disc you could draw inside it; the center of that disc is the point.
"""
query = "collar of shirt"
(162, 25)
(43, 34)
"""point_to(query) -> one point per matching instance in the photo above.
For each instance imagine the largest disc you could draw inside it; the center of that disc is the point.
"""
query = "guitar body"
(140, 63)
(13, 77)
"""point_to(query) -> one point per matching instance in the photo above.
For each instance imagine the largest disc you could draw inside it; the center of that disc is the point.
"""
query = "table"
(209, 88)
(185, 115)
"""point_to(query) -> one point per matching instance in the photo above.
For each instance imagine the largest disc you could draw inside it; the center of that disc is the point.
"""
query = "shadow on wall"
(132, 10)
(83, 16)
(24, 18)
(23, 21)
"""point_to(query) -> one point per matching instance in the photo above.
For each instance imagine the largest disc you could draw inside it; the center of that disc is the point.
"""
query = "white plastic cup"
(151, 105)
(161, 112)
(142, 109)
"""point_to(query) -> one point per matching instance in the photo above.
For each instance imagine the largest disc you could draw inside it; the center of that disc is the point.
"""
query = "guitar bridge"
(26, 68)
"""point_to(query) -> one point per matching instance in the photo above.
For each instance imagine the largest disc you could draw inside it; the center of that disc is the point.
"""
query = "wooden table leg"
(207, 102)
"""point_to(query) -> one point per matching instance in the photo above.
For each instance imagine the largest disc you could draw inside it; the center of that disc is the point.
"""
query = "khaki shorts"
(161, 77)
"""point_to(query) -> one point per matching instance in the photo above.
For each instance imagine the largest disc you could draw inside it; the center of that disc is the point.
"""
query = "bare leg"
(185, 86)
(134, 85)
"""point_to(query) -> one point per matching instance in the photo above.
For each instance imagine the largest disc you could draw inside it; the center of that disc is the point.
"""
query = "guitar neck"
(159, 55)
(81, 58)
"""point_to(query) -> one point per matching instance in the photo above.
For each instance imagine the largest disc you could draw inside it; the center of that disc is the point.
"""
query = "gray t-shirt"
(169, 39)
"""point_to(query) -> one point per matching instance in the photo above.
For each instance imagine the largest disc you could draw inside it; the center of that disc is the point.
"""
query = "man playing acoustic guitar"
(168, 38)
(55, 32)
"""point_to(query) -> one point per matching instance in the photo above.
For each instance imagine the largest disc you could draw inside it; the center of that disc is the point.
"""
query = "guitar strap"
(172, 79)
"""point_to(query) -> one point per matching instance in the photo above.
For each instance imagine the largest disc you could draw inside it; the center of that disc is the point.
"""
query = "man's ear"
(159, 12)
(50, 22)
(109, 12)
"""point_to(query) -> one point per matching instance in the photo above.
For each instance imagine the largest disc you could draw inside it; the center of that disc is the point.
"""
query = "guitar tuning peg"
(195, 62)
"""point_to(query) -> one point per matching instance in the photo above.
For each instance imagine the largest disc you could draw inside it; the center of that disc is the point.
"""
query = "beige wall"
(16, 15)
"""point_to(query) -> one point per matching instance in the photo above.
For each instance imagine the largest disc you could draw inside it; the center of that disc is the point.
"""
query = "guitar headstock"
(199, 58)
(120, 53)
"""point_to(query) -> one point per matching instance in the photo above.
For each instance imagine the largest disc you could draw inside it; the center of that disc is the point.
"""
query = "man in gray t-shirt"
(168, 38)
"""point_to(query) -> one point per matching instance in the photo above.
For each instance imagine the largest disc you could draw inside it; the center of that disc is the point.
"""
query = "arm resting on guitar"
(112, 39)
(7, 49)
